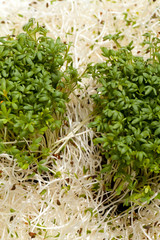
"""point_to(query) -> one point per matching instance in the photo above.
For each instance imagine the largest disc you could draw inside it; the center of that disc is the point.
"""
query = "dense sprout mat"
(63, 205)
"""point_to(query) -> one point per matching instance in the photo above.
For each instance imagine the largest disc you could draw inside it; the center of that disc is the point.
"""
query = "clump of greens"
(127, 115)
(36, 79)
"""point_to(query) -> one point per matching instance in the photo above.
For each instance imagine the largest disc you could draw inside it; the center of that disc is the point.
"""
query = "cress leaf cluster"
(127, 112)
(36, 79)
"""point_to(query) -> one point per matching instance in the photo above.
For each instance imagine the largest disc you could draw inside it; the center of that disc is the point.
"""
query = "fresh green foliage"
(36, 79)
(127, 113)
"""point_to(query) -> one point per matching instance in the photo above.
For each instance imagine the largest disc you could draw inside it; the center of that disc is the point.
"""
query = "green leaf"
(34, 147)
(3, 107)
(30, 23)
(157, 132)
(89, 210)
(31, 128)
(19, 47)
(42, 168)
(29, 61)
(116, 126)
(43, 192)
(1, 49)
(140, 78)
(141, 155)
(135, 121)
(39, 55)
(157, 55)
(58, 234)
(30, 74)
(25, 166)
(42, 162)
(120, 189)
(57, 174)
(43, 99)
(105, 51)
(158, 196)
(12, 210)
(37, 140)
(148, 90)
(3, 84)
(106, 168)
(42, 130)
(15, 106)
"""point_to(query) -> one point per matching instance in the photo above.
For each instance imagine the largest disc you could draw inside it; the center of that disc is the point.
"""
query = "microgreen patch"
(36, 79)
(127, 113)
